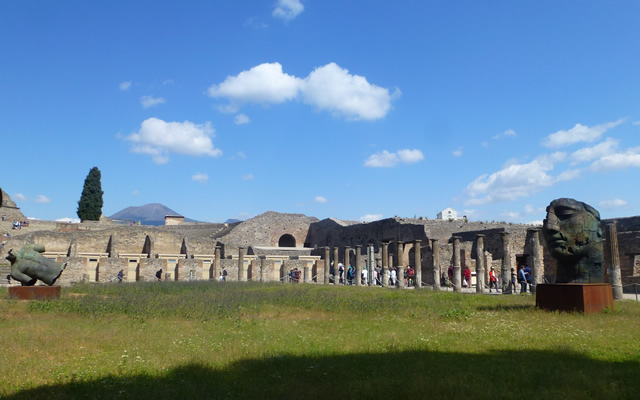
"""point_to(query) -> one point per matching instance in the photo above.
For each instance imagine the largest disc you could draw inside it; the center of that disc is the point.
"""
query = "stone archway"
(287, 240)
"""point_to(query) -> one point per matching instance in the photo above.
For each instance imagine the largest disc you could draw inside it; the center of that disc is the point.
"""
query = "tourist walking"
(493, 280)
(467, 276)
(120, 276)
(522, 278)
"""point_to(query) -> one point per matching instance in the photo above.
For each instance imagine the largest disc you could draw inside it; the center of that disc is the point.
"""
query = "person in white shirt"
(392, 278)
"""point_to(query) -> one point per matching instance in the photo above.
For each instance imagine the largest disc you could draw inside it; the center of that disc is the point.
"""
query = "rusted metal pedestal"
(587, 298)
(34, 292)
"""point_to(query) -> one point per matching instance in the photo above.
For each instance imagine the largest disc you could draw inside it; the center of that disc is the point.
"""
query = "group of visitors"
(19, 224)
(524, 278)
(295, 275)
(447, 281)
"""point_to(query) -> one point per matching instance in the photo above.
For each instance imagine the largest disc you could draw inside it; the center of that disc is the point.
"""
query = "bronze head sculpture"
(28, 266)
(574, 238)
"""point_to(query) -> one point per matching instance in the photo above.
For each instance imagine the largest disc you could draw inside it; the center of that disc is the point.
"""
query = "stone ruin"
(267, 247)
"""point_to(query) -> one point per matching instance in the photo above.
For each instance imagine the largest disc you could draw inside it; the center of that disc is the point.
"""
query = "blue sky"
(357, 110)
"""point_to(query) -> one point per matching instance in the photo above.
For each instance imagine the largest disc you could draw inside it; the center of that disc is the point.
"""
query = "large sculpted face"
(573, 235)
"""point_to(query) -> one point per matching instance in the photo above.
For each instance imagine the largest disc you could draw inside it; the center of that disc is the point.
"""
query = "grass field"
(251, 340)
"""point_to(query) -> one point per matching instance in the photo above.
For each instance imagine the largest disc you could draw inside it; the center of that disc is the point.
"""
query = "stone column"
(400, 276)
(327, 265)
(538, 257)
(418, 263)
(216, 264)
(306, 272)
(385, 264)
(614, 261)
(241, 271)
(399, 254)
(435, 255)
(263, 269)
(506, 264)
(347, 256)
(480, 267)
(359, 265)
(457, 277)
(336, 272)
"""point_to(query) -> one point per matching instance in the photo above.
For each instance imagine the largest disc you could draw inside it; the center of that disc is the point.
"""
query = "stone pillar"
(216, 264)
(480, 267)
(336, 272)
(457, 276)
(263, 269)
(614, 261)
(505, 271)
(242, 276)
(306, 272)
(399, 254)
(435, 255)
(400, 276)
(327, 265)
(538, 257)
(347, 257)
(418, 263)
(359, 265)
(385, 264)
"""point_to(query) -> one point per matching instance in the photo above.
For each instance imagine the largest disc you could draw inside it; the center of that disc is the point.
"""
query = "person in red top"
(467, 276)
(493, 280)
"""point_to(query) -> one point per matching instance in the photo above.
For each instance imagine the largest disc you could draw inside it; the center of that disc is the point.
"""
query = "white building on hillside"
(448, 214)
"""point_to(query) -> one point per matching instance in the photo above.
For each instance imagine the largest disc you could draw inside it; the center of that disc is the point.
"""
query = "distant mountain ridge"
(148, 214)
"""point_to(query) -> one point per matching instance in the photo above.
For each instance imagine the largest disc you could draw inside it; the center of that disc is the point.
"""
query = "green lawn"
(250, 340)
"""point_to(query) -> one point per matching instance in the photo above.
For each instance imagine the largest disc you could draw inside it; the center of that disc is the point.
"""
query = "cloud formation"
(42, 199)
(125, 85)
(505, 134)
(609, 146)
(202, 178)
(287, 9)
(579, 133)
(370, 217)
(150, 101)
(614, 203)
(320, 199)
(19, 197)
(514, 181)
(619, 160)
(327, 88)
(241, 119)
(158, 139)
(386, 159)
(248, 177)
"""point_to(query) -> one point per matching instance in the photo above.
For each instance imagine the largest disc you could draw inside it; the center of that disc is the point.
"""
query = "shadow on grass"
(393, 375)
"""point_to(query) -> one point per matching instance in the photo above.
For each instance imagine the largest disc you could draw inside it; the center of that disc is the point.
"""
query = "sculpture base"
(34, 292)
(587, 298)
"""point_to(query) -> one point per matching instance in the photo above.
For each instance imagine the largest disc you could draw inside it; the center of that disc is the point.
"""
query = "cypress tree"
(90, 204)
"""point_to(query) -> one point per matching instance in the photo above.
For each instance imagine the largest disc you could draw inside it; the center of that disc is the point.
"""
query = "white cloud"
(287, 9)
(159, 138)
(69, 220)
(512, 182)
(568, 175)
(19, 197)
(505, 134)
(386, 159)
(263, 84)
(636, 122)
(609, 146)
(333, 89)
(168, 82)
(535, 223)
(511, 215)
(242, 119)
(150, 101)
(242, 155)
(202, 178)
(484, 144)
(371, 217)
(457, 152)
(320, 199)
(615, 203)
(579, 133)
(248, 177)
(125, 85)
(621, 160)
(330, 88)
(136, 192)
(42, 199)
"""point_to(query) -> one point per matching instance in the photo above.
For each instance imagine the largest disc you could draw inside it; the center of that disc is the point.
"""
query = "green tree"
(90, 204)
